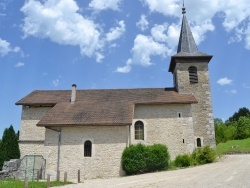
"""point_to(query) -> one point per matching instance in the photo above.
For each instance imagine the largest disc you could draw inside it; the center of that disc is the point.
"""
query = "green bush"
(133, 159)
(183, 160)
(137, 159)
(203, 155)
(157, 157)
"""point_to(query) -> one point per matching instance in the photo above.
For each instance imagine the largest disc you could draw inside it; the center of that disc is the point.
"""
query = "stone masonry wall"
(202, 112)
(108, 143)
(162, 125)
(31, 139)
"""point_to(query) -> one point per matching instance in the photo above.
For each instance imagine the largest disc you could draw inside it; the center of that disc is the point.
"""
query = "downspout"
(58, 155)
(129, 135)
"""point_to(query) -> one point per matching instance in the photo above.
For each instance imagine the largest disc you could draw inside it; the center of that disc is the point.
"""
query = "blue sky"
(51, 44)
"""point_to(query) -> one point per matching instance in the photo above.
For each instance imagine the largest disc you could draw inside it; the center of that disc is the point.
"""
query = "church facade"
(89, 129)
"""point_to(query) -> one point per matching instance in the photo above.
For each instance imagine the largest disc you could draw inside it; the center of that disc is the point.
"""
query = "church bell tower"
(190, 74)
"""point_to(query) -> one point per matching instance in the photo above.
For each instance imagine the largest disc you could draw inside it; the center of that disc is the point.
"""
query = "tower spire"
(183, 8)
(186, 40)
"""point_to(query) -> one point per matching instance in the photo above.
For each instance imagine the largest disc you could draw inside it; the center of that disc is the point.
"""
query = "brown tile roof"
(100, 107)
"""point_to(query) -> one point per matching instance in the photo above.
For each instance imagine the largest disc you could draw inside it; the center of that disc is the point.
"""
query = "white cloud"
(56, 82)
(235, 16)
(158, 32)
(142, 24)
(6, 48)
(105, 4)
(60, 21)
(126, 68)
(168, 8)
(144, 48)
(224, 81)
(234, 91)
(19, 64)
(115, 33)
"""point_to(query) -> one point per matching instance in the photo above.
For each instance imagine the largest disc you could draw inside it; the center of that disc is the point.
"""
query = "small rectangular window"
(179, 115)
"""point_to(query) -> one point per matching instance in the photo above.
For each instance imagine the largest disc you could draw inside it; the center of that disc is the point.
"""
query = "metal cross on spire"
(183, 8)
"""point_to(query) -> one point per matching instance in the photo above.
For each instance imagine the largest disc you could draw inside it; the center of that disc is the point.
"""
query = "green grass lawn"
(242, 146)
(10, 183)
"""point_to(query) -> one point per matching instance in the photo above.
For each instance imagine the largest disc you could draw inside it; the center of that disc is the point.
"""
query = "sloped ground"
(230, 172)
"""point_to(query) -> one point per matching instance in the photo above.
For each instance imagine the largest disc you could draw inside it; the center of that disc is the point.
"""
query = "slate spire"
(186, 40)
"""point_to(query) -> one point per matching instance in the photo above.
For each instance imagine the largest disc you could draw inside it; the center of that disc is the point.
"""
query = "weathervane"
(183, 8)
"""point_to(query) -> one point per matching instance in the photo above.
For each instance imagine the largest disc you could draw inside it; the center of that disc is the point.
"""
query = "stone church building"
(89, 129)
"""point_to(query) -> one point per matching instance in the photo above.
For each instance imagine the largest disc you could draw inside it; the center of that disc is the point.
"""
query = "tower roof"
(186, 40)
(187, 48)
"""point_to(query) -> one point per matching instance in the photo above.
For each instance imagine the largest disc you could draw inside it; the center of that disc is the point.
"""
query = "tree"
(218, 121)
(242, 112)
(9, 148)
(243, 128)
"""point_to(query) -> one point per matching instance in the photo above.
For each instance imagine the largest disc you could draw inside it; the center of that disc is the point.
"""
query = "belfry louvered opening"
(193, 77)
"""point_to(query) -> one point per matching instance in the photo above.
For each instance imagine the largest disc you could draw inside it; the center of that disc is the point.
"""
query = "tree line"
(236, 127)
(9, 148)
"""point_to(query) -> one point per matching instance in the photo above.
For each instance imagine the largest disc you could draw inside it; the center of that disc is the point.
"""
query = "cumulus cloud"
(60, 21)
(235, 16)
(144, 48)
(56, 82)
(117, 32)
(126, 68)
(142, 24)
(234, 91)
(168, 8)
(103, 5)
(224, 81)
(6, 48)
(19, 64)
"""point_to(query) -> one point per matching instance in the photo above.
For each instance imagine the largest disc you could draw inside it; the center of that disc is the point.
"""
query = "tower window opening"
(193, 77)
(198, 142)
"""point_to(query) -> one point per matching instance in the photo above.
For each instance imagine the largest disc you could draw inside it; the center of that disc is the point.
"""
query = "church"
(88, 130)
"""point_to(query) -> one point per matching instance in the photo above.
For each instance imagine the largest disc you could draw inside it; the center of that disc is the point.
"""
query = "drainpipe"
(58, 155)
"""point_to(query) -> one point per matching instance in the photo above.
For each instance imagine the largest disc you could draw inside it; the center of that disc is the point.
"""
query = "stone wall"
(31, 138)
(10, 169)
(29, 119)
(108, 143)
(202, 112)
(163, 125)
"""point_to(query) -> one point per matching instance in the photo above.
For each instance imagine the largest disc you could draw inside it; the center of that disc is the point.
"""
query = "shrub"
(183, 160)
(157, 157)
(133, 159)
(138, 158)
(203, 155)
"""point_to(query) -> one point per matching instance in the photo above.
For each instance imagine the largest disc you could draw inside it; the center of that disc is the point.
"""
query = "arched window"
(87, 148)
(193, 77)
(139, 130)
(198, 142)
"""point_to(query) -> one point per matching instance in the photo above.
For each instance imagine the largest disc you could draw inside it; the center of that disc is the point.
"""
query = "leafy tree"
(9, 148)
(218, 121)
(243, 128)
(242, 112)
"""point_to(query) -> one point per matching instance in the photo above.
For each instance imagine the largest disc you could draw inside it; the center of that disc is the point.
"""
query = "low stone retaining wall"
(236, 153)
(10, 169)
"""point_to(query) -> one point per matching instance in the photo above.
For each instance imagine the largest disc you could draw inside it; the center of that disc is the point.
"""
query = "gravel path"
(232, 171)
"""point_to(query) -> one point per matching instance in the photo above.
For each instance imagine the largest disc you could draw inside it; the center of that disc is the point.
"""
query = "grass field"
(10, 183)
(234, 146)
